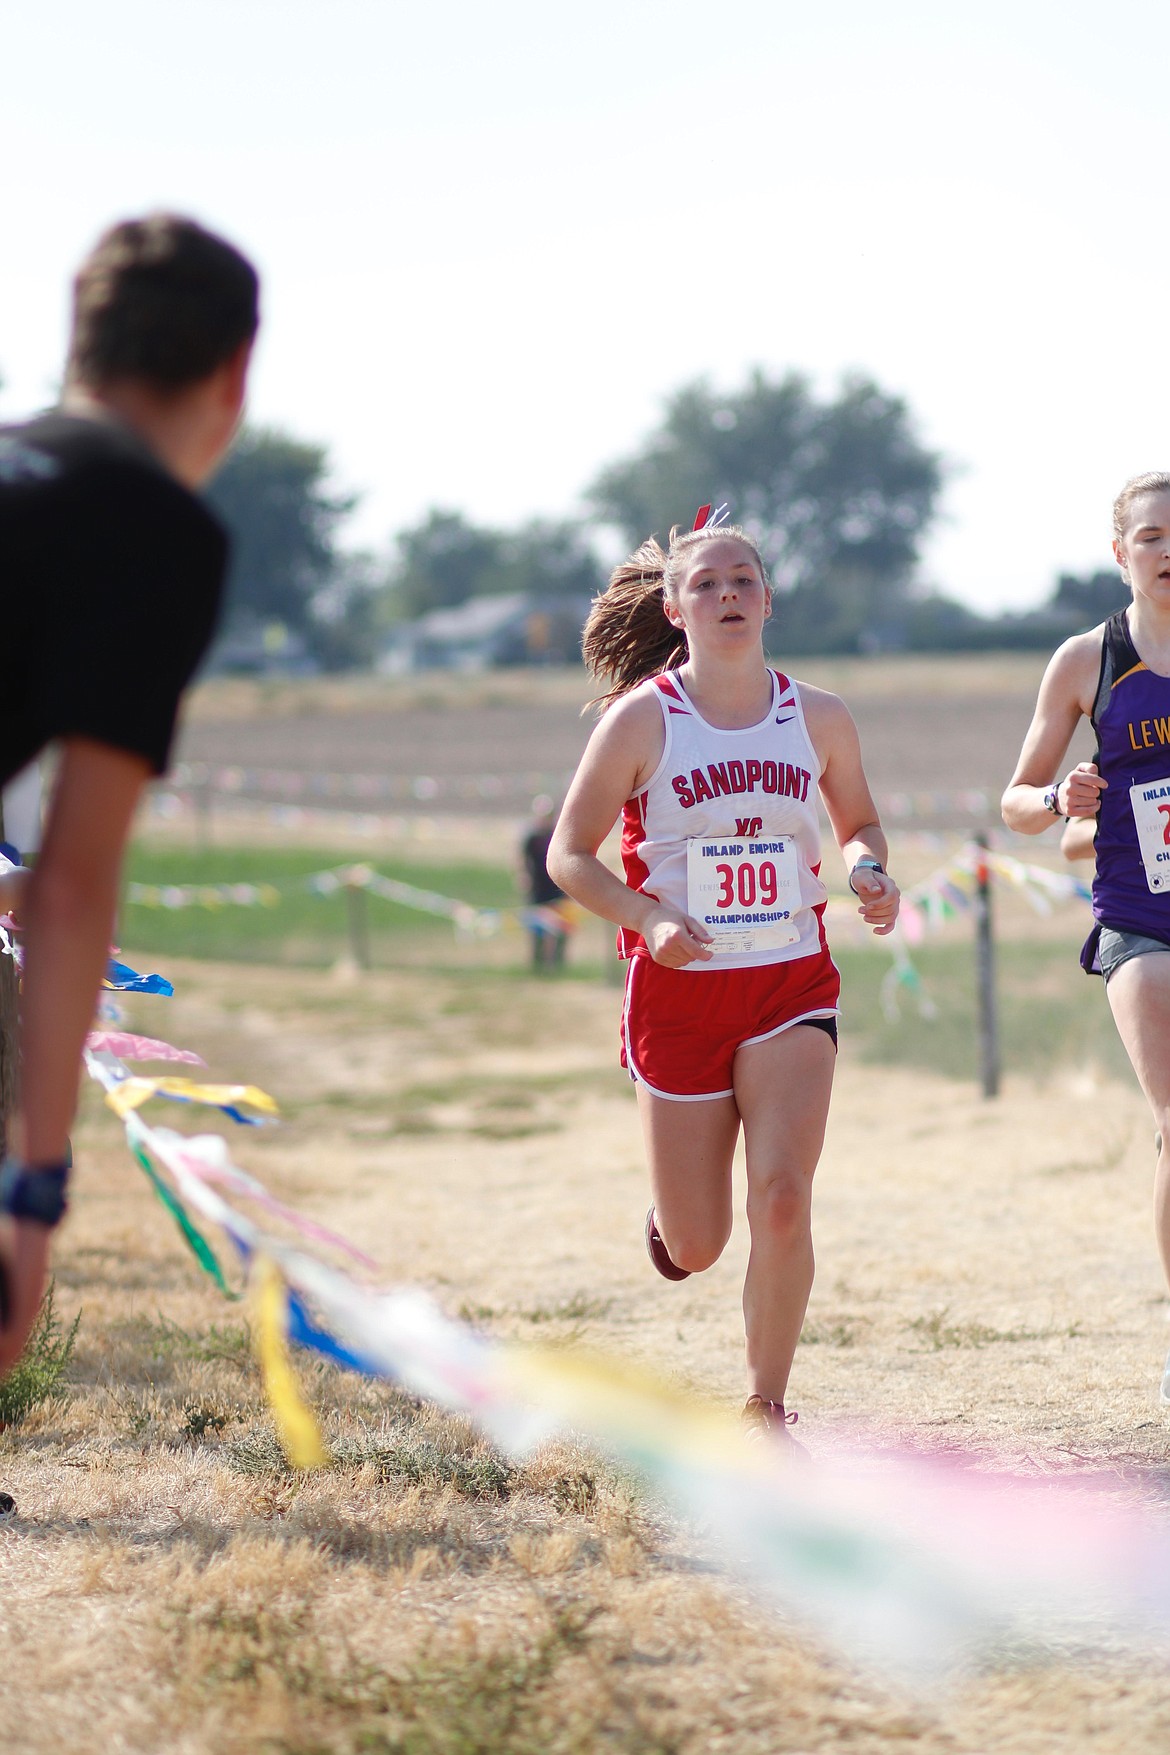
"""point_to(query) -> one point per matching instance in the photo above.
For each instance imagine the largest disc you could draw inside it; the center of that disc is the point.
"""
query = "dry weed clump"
(39, 1373)
(548, 1685)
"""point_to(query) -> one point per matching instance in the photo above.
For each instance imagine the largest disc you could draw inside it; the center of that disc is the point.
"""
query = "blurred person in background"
(548, 920)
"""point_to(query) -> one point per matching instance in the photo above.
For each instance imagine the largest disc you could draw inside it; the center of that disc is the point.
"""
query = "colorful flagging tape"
(469, 921)
(910, 1563)
(209, 896)
(949, 893)
(120, 978)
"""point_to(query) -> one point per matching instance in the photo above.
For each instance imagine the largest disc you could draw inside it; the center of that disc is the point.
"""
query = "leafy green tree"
(442, 562)
(271, 494)
(549, 559)
(353, 617)
(1090, 600)
(446, 559)
(839, 493)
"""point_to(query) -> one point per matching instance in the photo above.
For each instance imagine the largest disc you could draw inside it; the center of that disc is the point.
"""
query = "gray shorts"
(1115, 948)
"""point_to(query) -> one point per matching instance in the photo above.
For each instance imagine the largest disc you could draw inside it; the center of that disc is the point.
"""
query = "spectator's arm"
(68, 917)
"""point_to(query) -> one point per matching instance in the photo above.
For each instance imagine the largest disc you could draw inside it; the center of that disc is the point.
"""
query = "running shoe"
(1164, 1395)
(766, 1421)
(656, 1250)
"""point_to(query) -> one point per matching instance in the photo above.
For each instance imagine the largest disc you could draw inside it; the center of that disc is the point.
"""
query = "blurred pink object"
(130, 1047)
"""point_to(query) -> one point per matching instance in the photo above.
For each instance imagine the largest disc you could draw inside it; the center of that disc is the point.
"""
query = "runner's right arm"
(1066, 694)
(620, 757)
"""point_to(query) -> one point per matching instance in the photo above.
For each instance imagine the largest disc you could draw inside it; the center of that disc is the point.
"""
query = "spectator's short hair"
(161, 300)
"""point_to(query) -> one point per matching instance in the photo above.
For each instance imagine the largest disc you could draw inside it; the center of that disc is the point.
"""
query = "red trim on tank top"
(633, 865)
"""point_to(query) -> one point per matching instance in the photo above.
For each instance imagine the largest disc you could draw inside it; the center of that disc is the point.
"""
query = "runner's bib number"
(1150, 802)
(746, 892)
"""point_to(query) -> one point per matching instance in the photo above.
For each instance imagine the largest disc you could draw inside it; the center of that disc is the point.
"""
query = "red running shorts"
(681, 1029)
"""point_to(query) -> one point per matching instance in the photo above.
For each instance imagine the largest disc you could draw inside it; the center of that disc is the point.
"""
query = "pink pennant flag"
(130, 1047)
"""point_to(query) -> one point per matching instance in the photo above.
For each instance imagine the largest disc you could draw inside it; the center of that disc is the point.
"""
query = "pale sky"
(495, 237)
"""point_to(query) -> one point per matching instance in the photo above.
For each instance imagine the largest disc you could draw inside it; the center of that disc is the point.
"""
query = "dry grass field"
(987, 1283)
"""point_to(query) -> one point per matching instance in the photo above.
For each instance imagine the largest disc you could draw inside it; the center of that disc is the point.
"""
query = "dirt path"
(987, 1278)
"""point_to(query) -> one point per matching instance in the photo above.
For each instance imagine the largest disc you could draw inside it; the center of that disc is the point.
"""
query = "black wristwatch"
(866, 865)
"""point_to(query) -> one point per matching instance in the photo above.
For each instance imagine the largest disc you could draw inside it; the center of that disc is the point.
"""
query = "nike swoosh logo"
(787, 721)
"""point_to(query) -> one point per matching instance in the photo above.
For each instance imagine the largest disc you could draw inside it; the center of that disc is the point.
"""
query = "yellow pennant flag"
(297, 1427)
(132, 1093)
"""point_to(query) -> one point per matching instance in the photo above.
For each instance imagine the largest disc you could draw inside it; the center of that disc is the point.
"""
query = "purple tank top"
(1131, 716)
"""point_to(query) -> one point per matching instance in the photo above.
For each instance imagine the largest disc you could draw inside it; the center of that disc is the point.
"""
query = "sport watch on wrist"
(866, 865)
(1052, 799)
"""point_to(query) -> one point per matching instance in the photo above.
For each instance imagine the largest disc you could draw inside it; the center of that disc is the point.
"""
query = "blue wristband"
(36, 1194)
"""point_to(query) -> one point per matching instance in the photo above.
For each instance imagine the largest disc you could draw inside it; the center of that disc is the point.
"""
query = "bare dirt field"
(987, 1279)
(924, 722)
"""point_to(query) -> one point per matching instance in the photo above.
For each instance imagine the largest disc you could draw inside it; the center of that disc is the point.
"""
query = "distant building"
(252, 649)
(516, 627)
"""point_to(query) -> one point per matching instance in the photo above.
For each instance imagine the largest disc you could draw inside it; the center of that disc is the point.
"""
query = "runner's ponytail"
(627, 637)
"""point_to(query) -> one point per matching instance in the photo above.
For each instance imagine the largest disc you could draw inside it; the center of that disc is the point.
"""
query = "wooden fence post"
(357, 917)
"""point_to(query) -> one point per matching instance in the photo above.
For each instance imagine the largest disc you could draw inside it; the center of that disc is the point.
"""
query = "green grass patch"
(937, 1334)
(580, 1307)
(38, 1373)
(840, 1331)
(303, 928)
(165, 1340)
(1051, 1015)
(437, 1456)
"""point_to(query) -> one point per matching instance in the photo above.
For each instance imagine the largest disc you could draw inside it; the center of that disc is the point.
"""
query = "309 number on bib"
(746, 892)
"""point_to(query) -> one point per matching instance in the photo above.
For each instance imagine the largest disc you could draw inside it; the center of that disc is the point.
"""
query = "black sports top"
(111, 576)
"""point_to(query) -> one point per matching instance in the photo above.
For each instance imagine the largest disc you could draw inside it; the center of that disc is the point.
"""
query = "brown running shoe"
(656, 1250)
(764, 1420)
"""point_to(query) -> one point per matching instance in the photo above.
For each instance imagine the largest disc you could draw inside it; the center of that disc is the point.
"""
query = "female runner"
(731, 995)
(1118, 676)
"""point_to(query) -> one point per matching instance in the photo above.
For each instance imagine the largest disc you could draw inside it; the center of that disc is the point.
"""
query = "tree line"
(839, 489)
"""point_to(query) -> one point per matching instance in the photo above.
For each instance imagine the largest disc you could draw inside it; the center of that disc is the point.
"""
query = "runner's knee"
(693, 1247)
(779, 1207)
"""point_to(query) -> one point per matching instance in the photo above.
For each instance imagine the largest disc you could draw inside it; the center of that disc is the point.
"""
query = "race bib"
(746, 891)
(1150, 802)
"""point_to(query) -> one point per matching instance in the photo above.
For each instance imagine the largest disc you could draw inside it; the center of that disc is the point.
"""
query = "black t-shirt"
(111, 575)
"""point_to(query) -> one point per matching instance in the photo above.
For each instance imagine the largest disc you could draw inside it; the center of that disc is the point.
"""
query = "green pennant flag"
(196, 1242)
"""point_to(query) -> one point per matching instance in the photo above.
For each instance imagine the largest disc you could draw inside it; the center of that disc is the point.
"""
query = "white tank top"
(726, 830)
